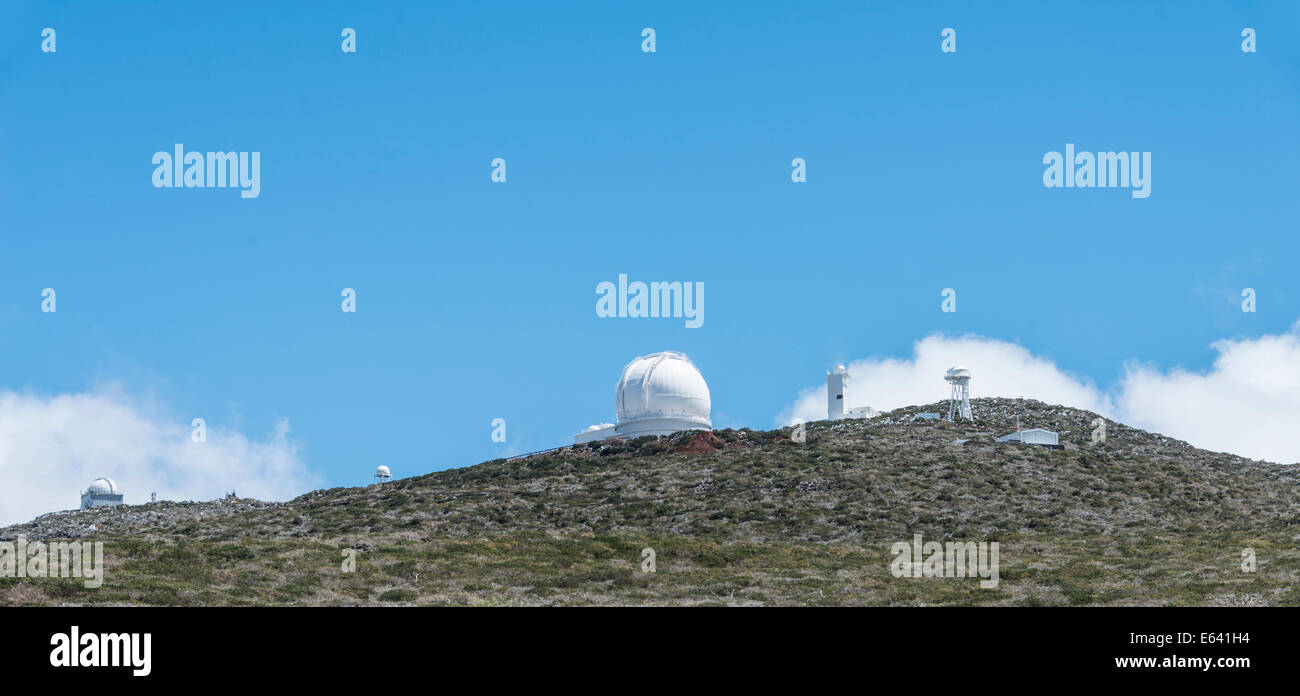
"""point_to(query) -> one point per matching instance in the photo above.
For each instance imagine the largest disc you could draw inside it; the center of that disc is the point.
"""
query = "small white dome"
(103, 486)
(662, 392)
(383, 472)
(957, 372)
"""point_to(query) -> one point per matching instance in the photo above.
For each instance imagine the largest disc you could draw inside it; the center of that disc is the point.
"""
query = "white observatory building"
(383, 474)
(837, 383)
(102, 492)
(959, 405)
(658, 394)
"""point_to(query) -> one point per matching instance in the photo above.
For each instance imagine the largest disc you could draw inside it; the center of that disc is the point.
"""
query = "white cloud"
(1246, 404)
(51, 448)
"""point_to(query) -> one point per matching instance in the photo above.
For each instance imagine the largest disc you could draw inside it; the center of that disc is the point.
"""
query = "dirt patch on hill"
(700, 441)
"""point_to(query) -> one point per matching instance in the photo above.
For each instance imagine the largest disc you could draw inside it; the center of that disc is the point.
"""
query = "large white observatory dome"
(101, 492)
(103, 486)
(660, 394)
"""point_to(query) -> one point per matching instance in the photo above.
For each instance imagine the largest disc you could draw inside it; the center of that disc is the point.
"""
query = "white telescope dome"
(103, 486)
(660, 394)
(956, 372)
(383, 471)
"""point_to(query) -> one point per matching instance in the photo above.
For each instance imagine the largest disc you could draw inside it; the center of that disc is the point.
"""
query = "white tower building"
(658, 394)
(835, 382)
(959, 406)
(383, 474)
(837, 396)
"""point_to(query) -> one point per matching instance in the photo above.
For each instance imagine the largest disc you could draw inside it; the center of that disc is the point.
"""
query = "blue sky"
(476, 300)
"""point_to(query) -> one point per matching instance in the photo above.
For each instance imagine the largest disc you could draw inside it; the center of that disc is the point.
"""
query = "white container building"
(1033, 436)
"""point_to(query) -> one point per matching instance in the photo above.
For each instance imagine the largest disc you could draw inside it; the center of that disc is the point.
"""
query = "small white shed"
(1033, 436)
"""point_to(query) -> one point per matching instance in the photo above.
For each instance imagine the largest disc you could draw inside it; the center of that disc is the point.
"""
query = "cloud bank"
(1246, 403)
(51, 448)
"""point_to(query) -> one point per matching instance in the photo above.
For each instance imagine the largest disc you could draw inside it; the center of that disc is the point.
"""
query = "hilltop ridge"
(1139, 518)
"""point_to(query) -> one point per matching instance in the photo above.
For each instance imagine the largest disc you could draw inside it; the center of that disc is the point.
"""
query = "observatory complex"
(102, 492)
(836, 394)
(658, 394)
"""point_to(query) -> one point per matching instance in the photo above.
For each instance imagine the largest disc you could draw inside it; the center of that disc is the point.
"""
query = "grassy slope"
(1141, 519)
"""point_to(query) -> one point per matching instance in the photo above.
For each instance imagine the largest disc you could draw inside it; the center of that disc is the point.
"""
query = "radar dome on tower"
(959, 405)
(957, 373)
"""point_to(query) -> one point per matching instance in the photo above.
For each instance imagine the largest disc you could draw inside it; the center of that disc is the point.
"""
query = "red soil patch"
(702, 441)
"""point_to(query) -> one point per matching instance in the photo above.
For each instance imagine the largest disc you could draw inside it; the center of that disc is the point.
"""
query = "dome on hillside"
(101, 492)
(660, 394)
(103, 486)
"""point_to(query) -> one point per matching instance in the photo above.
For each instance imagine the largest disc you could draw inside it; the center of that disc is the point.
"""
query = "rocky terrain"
(733, 517)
